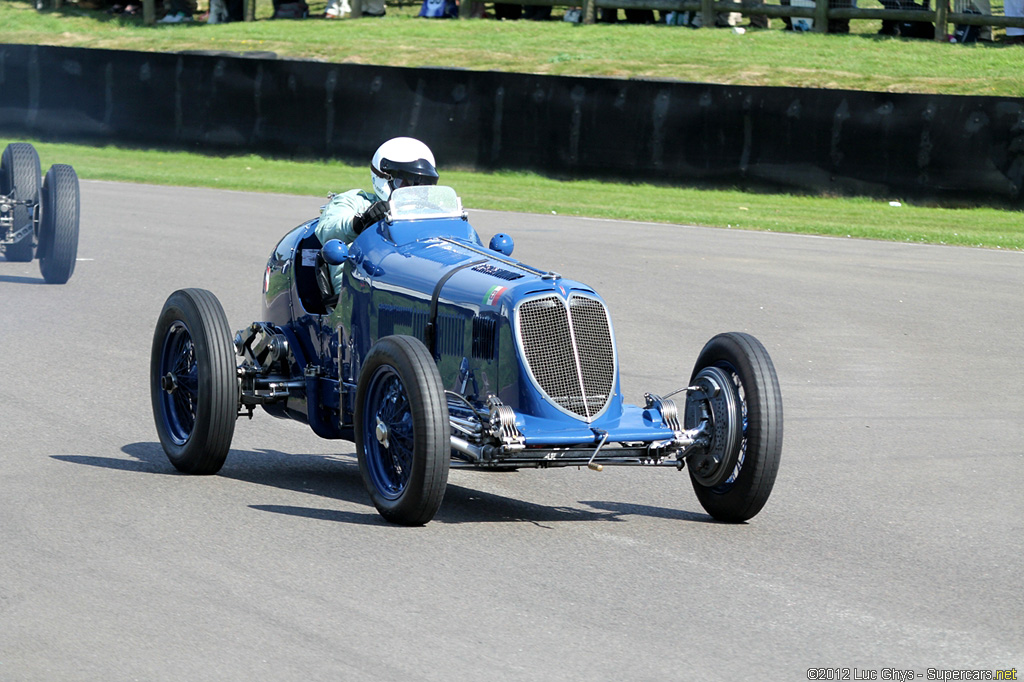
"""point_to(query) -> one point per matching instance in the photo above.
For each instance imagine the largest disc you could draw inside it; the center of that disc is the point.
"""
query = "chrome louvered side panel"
(568, 350)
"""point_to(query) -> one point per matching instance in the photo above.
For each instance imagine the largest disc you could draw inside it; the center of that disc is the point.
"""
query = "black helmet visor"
(408, 173)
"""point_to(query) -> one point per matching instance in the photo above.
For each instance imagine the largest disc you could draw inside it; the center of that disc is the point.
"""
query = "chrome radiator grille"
(568, 349)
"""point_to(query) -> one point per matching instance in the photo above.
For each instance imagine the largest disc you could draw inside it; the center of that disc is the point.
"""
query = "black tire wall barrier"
(845, 142)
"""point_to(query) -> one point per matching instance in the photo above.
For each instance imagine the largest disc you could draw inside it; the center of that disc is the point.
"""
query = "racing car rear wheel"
(735, 485)
(193, 381)
(58, 224)
(402, 430)
(19, 179)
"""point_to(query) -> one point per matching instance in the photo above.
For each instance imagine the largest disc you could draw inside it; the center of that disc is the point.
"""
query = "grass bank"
(859, 61)
(531, 193)
(776, 58)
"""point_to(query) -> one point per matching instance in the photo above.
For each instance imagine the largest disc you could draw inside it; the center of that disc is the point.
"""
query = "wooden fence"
(821, 13)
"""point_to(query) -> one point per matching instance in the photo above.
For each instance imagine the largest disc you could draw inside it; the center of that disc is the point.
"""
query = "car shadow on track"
(617, 509)
(466, 505)
(337, 477)
(14, 279)
(145, 460)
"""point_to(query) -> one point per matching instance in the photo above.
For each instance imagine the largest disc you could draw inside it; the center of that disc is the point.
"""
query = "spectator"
(129, 9)
(983, 7)
(1014, 8)
(504, 10)
(537, 12)
(373, 8)
(840, 25)
(439, 9)
(797, 23)
(290, 10)
(640, 16)
(908, 29)
(336, 9)
(804, 24)
(222, 11)
(178, 11)
(756, 20)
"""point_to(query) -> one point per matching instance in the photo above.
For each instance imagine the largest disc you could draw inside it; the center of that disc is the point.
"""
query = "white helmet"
(401, 161)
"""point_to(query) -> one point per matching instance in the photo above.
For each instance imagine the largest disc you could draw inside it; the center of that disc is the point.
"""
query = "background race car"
(38, 217)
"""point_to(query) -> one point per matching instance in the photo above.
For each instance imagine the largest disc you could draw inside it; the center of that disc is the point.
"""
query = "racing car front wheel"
(19, 179)
(734, 485)
(193, 381)
(402, 430)
(58, 224)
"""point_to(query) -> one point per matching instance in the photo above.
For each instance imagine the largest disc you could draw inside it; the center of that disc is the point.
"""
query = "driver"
(399, 162)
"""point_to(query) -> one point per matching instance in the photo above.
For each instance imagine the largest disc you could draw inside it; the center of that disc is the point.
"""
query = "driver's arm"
(370, 216)
(336, 220)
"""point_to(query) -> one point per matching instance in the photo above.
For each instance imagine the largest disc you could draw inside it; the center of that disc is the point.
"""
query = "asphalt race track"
(894, 538)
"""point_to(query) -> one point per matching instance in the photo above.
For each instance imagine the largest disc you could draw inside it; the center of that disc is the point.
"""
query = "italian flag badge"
(493, 294)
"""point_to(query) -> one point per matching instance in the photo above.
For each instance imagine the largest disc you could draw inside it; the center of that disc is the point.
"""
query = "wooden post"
(941, 12)
(589, 12)
(148, 12)
(821, 16)
(707, 13)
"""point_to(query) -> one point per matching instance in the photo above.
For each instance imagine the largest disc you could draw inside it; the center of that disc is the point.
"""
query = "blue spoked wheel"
(193, 382)
(179, 383)
(734, 478)
(402, 431)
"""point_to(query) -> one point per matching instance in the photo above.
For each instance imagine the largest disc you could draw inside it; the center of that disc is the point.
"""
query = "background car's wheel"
(58, 224)
(402, 430)
(750, 457)
(193, 381)
(19, 179)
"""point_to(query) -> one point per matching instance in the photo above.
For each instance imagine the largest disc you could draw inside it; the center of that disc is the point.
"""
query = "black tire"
(402, 432)
(193, 381)
(19, 179)
(756, 446)
(58, 224)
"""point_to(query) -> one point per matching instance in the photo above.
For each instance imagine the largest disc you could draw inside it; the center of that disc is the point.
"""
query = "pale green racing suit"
(336, 217)
(336, 222)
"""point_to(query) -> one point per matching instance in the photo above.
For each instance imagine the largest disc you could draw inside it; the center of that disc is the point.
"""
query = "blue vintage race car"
(430, 350)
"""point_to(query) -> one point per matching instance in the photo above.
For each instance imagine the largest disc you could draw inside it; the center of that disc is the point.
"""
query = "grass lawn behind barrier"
(773, 57)
(859, 61)
(531, 193)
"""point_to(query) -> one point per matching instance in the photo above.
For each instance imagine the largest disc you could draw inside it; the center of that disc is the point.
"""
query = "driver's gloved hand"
(370, 216)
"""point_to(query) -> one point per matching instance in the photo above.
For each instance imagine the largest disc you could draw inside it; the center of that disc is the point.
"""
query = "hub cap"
(722, 407)
(179, 379)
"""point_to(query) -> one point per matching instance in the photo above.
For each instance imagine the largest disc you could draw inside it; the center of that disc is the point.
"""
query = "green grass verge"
(859, 61)
(776, 58)
(531, 193)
